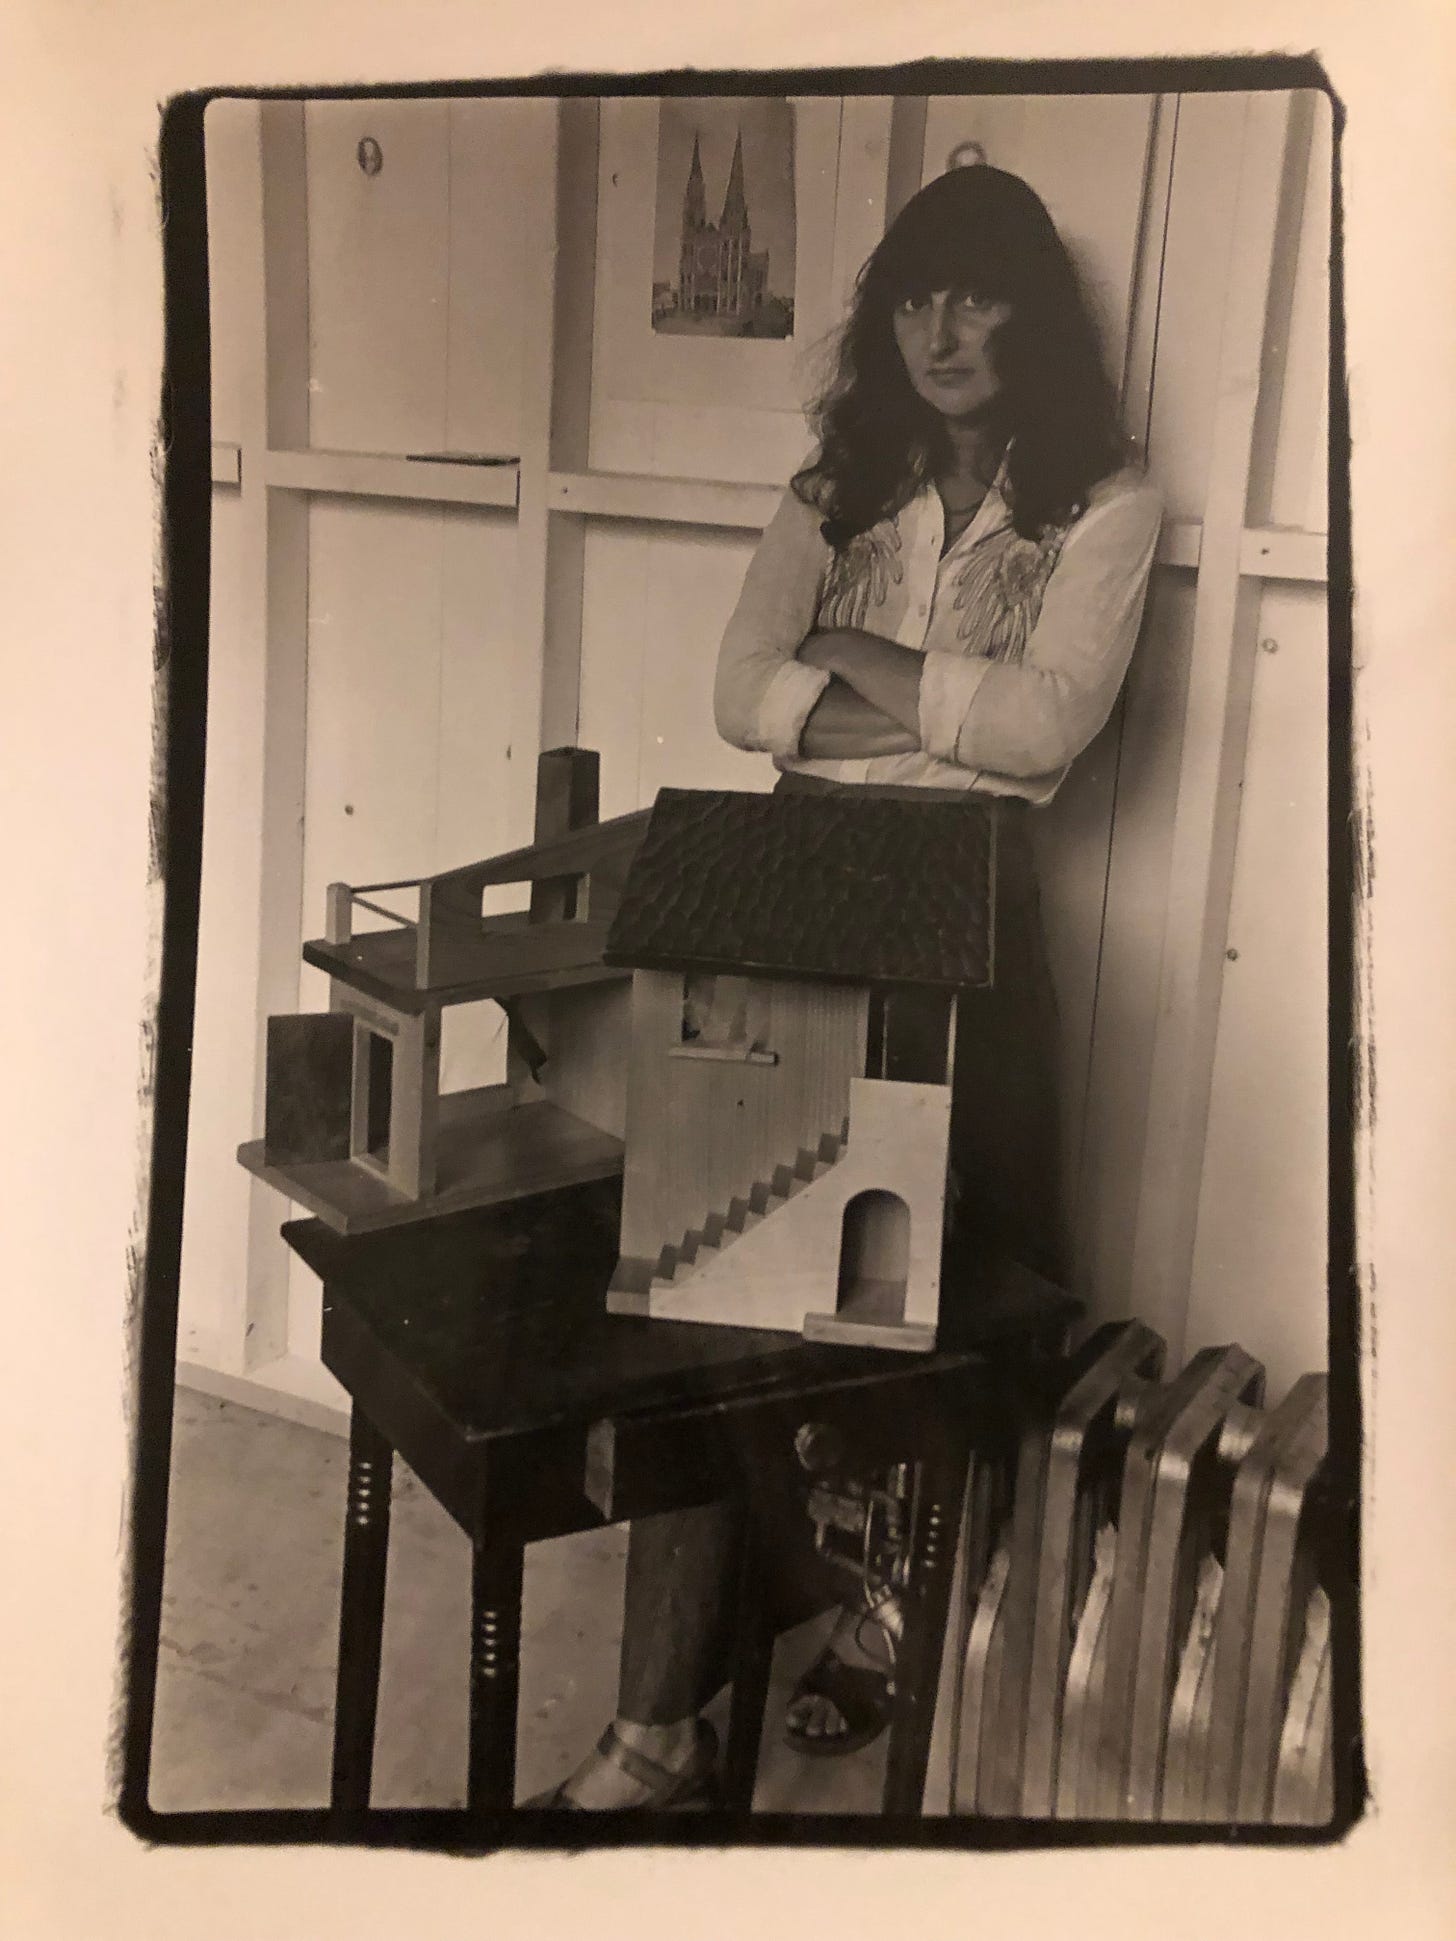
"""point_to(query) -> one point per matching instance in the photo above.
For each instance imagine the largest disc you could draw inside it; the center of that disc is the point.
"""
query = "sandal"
(861, 1697)
(695, 1786)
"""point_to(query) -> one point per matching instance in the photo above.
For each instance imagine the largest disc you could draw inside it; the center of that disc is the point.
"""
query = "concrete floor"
(248, 1648)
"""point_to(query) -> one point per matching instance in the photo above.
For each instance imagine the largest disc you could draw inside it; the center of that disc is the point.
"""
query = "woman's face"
(945, 343)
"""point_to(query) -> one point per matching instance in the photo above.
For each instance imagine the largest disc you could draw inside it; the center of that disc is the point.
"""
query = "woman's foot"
(636, 1766)
(842, 1701)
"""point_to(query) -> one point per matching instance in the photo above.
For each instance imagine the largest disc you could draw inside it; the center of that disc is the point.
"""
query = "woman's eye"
(912, 306)
(970, 300)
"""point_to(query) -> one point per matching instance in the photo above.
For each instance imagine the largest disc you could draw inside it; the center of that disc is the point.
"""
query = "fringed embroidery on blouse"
(999, 589)
(860, 576)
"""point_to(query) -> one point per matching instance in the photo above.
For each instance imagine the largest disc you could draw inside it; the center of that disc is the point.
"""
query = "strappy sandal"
(696, 1786)
(861, 1697)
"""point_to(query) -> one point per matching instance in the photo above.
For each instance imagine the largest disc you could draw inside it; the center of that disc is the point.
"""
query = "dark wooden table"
(479, 1348)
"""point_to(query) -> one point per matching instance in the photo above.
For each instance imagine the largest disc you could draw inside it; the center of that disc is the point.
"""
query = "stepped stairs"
(763, 1198)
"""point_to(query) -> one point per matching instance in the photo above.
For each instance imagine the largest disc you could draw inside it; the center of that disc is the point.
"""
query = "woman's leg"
(678, 1614)
(676, 1647)
(678, 1621)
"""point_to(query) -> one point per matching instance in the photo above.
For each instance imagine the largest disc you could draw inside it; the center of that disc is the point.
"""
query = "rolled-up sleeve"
(762, 695)
(1031, 717)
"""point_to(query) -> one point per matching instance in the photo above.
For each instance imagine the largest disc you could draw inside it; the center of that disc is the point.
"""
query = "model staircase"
(764, 1197)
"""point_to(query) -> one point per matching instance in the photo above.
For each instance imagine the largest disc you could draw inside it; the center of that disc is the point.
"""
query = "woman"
(948, 597)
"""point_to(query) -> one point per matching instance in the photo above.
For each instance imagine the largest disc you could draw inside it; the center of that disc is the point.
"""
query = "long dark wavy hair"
(976, 229)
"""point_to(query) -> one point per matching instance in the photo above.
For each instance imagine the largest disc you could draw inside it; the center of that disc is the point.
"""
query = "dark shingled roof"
(846, 887)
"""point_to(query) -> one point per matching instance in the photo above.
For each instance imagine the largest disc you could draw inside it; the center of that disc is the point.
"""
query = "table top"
(498, 1319)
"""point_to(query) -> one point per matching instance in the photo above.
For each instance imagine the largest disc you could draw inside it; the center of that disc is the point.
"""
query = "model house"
(796, 962)
(356, 1127)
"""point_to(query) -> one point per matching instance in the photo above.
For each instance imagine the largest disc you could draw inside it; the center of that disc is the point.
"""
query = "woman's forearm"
(881, 672)
(843, 725)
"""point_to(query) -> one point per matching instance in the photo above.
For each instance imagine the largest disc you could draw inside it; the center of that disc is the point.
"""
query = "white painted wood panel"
(496, 217)
(1120, 1060)
(717, 442)
(693, 582)
(1213, 737)
(378, 270)
(478, 648)
(613, 657)
(655, 605)
(374, 632)
(230, 135)
(1196, 272)
(861, 191)
(1299, 492)
(1259, 1260)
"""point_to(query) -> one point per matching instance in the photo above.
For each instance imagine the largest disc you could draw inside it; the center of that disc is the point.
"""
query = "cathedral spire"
(695, 196)
(735, 203)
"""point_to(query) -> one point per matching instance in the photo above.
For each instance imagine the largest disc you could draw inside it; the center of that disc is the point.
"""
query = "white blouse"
(1026, 642)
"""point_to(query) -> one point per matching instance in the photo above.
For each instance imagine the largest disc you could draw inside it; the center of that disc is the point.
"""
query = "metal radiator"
(1149, 1638)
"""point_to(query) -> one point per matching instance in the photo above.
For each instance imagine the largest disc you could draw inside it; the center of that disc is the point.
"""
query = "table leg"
(361, 1612)
(940, 1486)
(495, 1666)
(752, 1663)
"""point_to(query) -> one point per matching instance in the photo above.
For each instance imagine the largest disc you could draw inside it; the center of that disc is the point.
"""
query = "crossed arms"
(872, 703)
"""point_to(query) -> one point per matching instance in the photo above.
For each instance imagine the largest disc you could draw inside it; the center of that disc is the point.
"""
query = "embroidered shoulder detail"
(860, 576)
(999, 590)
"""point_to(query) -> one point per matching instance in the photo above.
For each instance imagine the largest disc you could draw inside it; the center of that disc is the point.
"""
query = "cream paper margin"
(80, 347)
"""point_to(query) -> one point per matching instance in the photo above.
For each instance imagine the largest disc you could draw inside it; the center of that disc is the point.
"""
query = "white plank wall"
(378, 275)
(496, 205)
(1259, 1260)
(431, 326)
(1195, 269)
(1258, 1270)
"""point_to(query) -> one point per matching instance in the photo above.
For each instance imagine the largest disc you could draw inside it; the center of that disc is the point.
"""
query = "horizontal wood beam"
(668, 501)
(1266, 552)
(383, 475)
(1284, 553)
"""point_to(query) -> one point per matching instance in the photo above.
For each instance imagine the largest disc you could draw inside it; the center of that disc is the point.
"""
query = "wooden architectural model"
(797, 963)
(356, 1128)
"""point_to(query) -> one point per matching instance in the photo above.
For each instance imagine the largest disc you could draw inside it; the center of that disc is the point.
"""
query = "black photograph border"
(179, 768)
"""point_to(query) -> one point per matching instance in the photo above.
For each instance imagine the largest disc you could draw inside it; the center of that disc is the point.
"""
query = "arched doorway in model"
(874, 1257)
